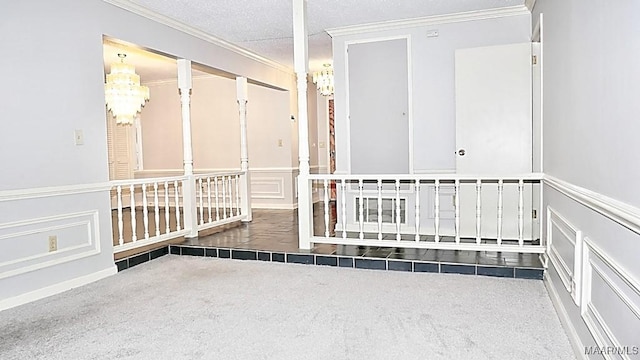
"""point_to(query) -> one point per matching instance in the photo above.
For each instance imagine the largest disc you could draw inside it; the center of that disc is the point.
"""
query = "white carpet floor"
(180, 307)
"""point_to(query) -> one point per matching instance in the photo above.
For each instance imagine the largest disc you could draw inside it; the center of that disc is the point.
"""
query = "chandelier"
(324, 80)
(124, 94)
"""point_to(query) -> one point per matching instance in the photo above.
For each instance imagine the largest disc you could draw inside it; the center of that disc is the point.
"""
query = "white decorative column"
(301, 65)
(245, 180)
(189, 185)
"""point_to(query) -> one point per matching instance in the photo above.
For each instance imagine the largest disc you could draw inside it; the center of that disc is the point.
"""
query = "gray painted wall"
(53, 74)
(591, 87)
(432, 82)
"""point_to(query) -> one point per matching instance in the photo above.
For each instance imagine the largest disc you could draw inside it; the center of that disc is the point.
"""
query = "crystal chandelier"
(124, 94)
(324, 80)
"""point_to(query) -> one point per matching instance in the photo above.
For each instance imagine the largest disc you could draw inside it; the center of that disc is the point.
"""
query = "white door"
(493, 133)
(119, 156)
(119, 148)
(536, 96)
(378, 107)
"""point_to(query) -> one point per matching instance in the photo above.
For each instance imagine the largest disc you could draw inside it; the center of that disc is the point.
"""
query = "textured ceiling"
(266, 26)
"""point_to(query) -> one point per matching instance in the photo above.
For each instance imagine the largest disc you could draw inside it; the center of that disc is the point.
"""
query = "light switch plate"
(79, 137)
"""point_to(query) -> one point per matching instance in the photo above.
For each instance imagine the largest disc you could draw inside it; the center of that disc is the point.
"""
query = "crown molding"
(431, 20)
(530, 4)
(187, 29)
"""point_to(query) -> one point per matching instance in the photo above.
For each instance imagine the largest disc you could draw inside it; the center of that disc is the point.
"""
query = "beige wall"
(162, 127)
(216, 135)
(215, 126)
(215, 123)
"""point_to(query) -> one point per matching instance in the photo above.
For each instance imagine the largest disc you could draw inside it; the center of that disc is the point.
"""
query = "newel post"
(245, 180)
(301, 65)
(189, 185)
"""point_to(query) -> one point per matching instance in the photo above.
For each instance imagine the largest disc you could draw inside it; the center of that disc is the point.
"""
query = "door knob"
(461, 152)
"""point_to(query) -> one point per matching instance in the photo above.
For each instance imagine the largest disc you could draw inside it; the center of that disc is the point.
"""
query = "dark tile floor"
(273, 236)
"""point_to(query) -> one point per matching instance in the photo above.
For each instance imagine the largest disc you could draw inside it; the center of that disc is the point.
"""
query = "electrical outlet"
(279, 142)
(53, 243)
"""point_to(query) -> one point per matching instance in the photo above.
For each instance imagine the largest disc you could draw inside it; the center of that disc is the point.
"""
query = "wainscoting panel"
(267, 187)
(26, 243)
(77, 215)
(565, 251)
(611, 302)
(273, 188)
(607, 288)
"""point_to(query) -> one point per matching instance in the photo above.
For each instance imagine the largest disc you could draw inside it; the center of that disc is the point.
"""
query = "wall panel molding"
(569, 270)
(607, 295)
(619, 285)
(267, 187)
(74, 224)
(624, 214)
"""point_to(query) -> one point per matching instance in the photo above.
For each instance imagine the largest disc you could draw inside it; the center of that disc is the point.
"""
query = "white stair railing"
(220, 194)
(482, 213)
(156, 207)
(144, 224)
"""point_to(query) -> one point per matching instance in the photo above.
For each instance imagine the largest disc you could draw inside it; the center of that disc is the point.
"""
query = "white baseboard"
(56, 288)
(274, 206)
(278, 206)
(572, 334)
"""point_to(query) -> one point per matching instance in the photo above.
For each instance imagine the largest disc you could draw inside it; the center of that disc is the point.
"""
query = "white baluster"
(201, 205)
(343, 186)
(145, 211)
(379, 209)
(361, 209)
(230, 179)
(478, 211)
(436, 220)
(417, 184)
(120, 221)
(157, 208)
(216, 196)
(326, 208)
(457, 209)
(398, 236)
(132, 190)
(224, 197)
(209, 199)
(238, 195)
(500, 210)
(177, 196)
(166, 207)
(520, 212)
